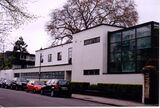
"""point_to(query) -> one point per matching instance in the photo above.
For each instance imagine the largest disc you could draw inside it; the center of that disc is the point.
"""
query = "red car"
(35, 86)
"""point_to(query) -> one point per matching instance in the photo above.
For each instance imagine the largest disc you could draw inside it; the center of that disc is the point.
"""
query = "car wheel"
(52, 93)
(34, 91)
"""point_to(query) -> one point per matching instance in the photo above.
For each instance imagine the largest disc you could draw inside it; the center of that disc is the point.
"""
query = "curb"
(98, 102)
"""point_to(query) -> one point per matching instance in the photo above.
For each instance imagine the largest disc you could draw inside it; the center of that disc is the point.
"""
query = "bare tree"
(77, 15)
(12, 14)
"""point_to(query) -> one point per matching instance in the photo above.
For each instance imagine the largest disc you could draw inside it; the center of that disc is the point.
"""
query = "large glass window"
(115, 57)
(131, 50)
(116, 37)
(144, 31)
(115, 67)
(44, 75)
(52, 75)
(129, 34)
(128, 67)
(128, 56)
(144, 43)
(128, 45)
(115, 47)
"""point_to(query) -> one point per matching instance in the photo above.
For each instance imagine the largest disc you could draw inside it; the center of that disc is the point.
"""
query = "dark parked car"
(1, 82)
(57, 87)
(6, 83)
(35, 86)
(19, 84)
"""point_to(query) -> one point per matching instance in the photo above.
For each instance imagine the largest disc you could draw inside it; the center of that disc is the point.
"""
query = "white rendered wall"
(7, 74)
(114, 79)
(93, 56)
(53, 51)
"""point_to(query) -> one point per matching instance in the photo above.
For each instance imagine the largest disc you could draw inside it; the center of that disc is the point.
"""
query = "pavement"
(108, 101)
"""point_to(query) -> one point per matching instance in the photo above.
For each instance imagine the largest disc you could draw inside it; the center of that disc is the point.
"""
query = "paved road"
(12, 98)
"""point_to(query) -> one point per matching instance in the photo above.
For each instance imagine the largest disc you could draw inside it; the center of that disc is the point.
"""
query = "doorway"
(68, 75)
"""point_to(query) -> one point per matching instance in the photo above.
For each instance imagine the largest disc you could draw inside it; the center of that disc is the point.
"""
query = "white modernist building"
(101, 54)
(83, 60)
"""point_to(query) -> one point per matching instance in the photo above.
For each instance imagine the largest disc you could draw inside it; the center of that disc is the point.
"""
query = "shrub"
(121, 91)
(79, 86)
(124, 91)
(93, 87)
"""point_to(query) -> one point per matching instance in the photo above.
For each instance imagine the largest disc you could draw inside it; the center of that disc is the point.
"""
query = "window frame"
(59, 56)
(49, 57)
(130, 48)
(91, 41)
(70, 55)
(91, 72)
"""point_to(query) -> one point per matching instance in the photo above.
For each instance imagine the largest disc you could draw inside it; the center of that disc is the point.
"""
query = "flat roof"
(100, 25)
(136, 26)
(123, 28)
(53, 46)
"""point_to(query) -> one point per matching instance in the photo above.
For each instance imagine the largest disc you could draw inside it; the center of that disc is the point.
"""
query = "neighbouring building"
(14, 60)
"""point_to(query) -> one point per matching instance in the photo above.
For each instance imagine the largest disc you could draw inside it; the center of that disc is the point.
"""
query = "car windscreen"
(63, 82)
(39, 83)
(22, 80)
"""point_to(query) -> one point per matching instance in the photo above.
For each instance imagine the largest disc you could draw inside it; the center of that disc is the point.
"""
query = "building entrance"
(68, 75)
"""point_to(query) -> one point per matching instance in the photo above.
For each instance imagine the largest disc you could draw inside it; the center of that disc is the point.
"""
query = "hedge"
(79, 86)
(123, 91)
(120, 91)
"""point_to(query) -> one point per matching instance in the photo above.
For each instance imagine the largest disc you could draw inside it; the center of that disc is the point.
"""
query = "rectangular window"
(49, 57)
(59, 56)
(91, 72)
(16, 75)
(136, 48)
(92, 41)
(41, 58)
(70, 55)
(44, 75)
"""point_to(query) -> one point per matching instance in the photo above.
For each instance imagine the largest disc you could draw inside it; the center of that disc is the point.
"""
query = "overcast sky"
(36, 37)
